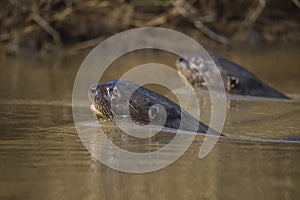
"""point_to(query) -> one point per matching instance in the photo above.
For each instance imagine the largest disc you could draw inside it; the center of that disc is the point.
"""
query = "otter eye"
(110, 91)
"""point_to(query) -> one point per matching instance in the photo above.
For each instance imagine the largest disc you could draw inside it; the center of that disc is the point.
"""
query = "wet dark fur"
(140, 105)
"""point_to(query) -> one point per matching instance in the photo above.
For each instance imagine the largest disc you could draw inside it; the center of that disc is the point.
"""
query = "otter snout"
(182, 63)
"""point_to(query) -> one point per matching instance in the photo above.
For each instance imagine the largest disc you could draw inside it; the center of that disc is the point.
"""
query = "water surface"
(42, 157)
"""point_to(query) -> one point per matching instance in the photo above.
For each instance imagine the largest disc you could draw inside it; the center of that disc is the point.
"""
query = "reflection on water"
(42, 156)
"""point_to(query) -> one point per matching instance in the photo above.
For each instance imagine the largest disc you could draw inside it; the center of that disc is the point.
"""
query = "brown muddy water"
(42, 156)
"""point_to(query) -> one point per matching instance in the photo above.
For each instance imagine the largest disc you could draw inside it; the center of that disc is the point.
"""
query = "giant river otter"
(144, 106)
(237, 80)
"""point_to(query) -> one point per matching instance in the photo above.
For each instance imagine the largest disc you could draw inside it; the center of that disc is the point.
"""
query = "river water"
(42, 156)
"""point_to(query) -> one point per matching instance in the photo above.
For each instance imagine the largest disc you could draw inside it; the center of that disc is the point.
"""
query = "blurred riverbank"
(69, 26)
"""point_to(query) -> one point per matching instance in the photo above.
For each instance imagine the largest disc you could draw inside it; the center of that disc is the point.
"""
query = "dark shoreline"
(67, 27)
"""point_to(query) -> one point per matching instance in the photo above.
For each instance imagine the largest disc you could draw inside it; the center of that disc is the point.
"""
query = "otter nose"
(92, 92)
(181, 59)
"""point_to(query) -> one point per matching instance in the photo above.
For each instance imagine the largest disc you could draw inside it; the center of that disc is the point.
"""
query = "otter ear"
(232, 82)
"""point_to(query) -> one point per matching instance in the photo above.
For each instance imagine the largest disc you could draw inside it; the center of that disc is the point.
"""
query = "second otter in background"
(237, 80)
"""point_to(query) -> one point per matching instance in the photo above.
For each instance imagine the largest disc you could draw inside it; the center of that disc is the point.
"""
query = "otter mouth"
(95, 111)
(93, 107)
(98, 112)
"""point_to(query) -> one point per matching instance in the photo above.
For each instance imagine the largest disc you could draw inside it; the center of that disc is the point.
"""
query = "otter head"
(101, 96)
(111, 100)
(195, 69)
(189, 71)
(199, 71)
